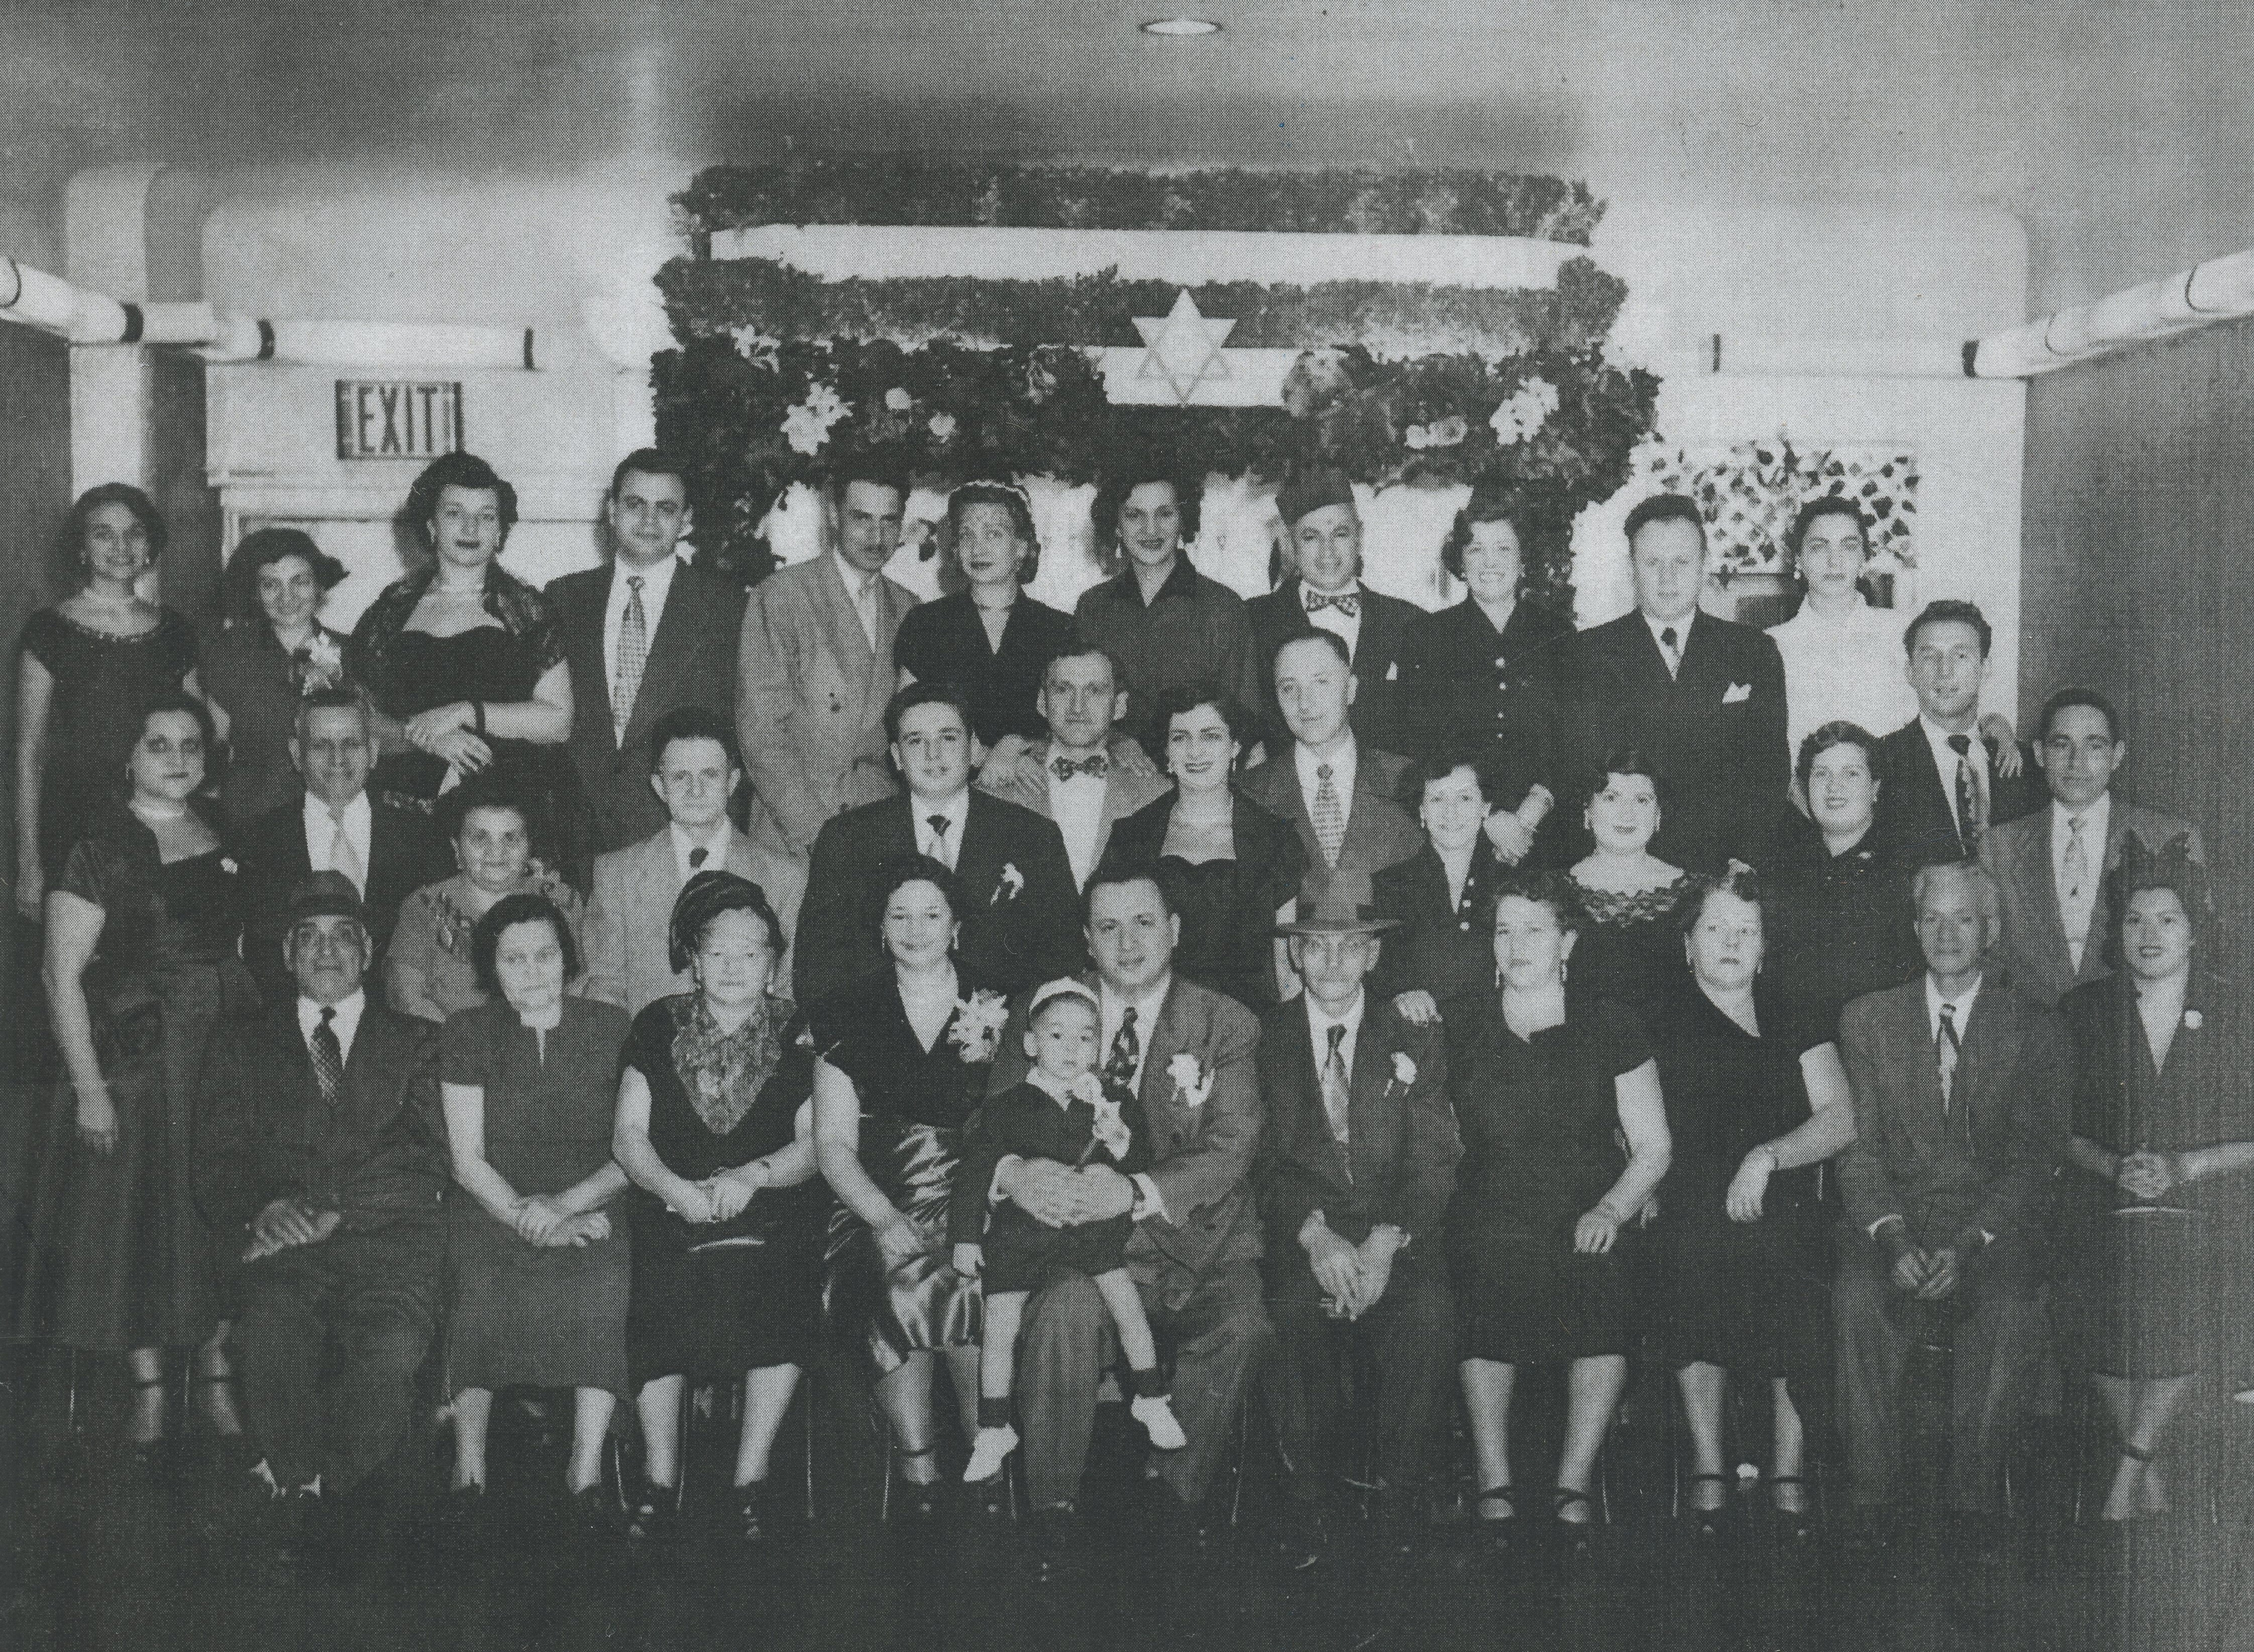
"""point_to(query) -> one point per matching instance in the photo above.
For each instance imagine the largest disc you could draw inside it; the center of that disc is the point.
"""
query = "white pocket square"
(1393, 671)
(1736, 692)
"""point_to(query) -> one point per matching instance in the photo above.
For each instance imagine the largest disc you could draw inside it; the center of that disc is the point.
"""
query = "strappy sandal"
(1577, 1539)
(1707, 1523)
(1500, 1534)
(1797, 1525)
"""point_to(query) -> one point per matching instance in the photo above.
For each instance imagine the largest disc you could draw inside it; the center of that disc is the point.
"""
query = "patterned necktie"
(1064, 768)
(1346, 602)
(697, 858)
(939, 825)
(1970, 818)
(1329, 817)
(343, 857)
(1946, 1049)
(1126, 1055)
(1671, 649)
(328, 1056)
(864, 608)
(2077, 894)
(634, 658)
(1336, 1091)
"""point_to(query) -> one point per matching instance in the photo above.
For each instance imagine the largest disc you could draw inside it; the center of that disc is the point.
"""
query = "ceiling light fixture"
(1180, 28)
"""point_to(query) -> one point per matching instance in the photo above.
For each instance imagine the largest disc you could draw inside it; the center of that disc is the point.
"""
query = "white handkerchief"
(1392, 670)
(1736, 692)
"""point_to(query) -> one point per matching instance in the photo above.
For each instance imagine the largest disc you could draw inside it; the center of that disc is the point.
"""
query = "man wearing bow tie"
(1079, 785)
(1327, 594)
(1702, 698)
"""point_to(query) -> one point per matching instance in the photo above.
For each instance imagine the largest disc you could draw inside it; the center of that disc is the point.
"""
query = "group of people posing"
(620, 987)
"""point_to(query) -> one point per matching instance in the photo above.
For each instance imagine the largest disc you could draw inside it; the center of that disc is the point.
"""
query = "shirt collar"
(957, 809)
(1938, 738)
(2096, 819)
(1681, 627)
(1145, 1008)
(1181, 581)
(1352, 588)
(1962, 1003)
(1048, 1087)
(357, 814)
(656, 579)
(1345, 763)
(1321, 1021)
(346, 1024)
(716, 844)
(856, 581)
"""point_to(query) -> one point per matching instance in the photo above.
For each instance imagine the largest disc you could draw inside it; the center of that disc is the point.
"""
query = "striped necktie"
(633, 658)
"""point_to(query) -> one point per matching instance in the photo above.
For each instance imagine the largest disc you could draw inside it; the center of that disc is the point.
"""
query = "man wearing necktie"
(1017, 904)
(1080, 785)
(1325, 593)
(321, 1162)
(1703, 697)
(1356, 1166)
(2050, 865)
(1960, 1087)
(1943, 787)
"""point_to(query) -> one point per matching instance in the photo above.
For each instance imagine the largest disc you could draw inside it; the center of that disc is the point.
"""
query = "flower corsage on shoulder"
(1193, 1083)
(978, 1022)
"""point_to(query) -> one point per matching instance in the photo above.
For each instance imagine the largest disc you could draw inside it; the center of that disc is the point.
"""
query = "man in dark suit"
(1189, 1053)
(1018, 915)
(386, 853)
(1327, 593)
(1344, 796)
(642, 636)
(1961, 1089)
(1357, 1164)
(1702, 698)
(320, 1161)
(2050, 866)
(1073, 776)
(1942, 785)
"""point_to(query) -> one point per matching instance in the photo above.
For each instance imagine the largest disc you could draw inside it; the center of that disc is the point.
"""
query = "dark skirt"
(1021, 1255)
(924, 1304)
(533, 1316)
(1749, 1296)
(2139, 1313)
(1532, 1299)
(120, 1257)
(716, 1309)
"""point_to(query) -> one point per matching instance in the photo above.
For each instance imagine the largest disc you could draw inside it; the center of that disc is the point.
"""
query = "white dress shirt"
(861, 591)
(2074, 912)
(346, 1026)
(1961, 1007)
(1844, 668)
(943, 847)
(1332, 619)
(359, 820)
(656, 581)
(1682, 630)
(1077, 806)
(1944, 761)
(1319, 1023)
(1345, 763)
(714, 842)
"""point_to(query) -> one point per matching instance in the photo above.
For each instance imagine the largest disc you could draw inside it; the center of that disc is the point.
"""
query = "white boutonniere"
(2193, 1019)
(1404, 1070)
(1193, 1084)
(978, 1023)
(1110, 1129)
(227, 864)
(1737, 692)
(1012, 882)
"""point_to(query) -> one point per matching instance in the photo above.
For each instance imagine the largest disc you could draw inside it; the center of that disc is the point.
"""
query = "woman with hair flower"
(274, 651)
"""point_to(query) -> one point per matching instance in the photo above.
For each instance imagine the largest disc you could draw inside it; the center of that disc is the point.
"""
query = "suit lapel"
(2032, 868)
(978, 860)
(840, 624)
(1370, 1086)
(669, 647)
(583, 643)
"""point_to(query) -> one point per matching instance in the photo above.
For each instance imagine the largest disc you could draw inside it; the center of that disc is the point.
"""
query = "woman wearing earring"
(1232, 868)
(142, 927)
(1627, 951)
(274, 649)
(89, 663)
(1441, 896)
(990, 640)
(466, 671)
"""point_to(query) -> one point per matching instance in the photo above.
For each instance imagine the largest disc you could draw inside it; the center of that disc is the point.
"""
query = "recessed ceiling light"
(1179, 27)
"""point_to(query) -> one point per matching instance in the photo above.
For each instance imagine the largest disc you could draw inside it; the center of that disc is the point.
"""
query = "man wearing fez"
(1326, 594)
(814, 667)
(1357, 1165)
(320, 1158)
(649, 633)
(1703, 697)
(1071, 776)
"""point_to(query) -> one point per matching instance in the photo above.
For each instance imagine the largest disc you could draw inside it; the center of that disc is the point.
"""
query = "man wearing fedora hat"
(320, 1160)
(1355, 1169)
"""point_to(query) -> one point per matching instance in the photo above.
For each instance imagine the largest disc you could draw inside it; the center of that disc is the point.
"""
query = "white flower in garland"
(805, 426)
(942, 427)
(1524, 412)
(760, 349)
(899, 399)
(1446, 432)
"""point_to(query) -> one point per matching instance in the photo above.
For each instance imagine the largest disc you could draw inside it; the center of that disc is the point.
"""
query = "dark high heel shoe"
(1709, 1524)
(1576, 1539)
(148, 1457)
(1797, 1525)
(1499, 1534)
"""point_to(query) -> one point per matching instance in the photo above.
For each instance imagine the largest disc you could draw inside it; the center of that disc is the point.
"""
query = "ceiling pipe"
(2215, 290)
(35, 299)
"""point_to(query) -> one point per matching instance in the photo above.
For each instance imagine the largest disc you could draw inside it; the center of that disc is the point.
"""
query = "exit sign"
(397, 419)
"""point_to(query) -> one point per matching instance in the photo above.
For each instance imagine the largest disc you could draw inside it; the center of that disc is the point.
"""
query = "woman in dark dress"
(727, 1216)
(2162, 1167)
(990, 640)
(142, 929)
(466, 671)
(1230, 867)
(1753, 1102)
(89, 664)
(540, 1270)
(1480, 677)
(274, 651)
(1541, 1086)
(1441, 897)
(1838, 916)
(905, 1057)
(1630, 949)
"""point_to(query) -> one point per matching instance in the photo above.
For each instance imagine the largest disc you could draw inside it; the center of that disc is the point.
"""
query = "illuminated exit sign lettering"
(397, 419)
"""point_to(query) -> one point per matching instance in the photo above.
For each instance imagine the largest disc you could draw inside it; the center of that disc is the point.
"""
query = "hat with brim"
(1331, 904)
(326, 894)
(1310, 491)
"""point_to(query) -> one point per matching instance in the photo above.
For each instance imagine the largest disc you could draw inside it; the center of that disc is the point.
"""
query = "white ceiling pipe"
(1737, 355)
(2215, 290)
(49, 302)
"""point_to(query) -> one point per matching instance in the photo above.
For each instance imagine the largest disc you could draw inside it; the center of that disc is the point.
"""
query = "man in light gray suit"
(2050, 866)
(694, 771)
(1072, 777)
(814, 669)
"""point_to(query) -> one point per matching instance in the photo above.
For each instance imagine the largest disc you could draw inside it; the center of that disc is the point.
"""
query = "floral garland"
(918, 189)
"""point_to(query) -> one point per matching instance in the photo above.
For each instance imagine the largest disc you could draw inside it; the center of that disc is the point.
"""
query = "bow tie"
(1093, 766)
(1346, 602)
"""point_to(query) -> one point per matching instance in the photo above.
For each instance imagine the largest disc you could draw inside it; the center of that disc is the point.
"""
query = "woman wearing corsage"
(274, 651)
(904, 1060)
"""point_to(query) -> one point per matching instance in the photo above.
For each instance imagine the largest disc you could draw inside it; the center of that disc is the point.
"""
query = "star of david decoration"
(1183, 347)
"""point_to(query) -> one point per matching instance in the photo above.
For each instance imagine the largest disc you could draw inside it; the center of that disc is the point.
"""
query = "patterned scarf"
(724, 1072)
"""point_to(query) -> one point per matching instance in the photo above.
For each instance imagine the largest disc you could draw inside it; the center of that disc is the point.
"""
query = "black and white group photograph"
(1387, 826)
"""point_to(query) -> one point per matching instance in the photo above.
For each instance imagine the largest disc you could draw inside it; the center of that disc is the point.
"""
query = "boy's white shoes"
(990, 1450)
(1156, 1413)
